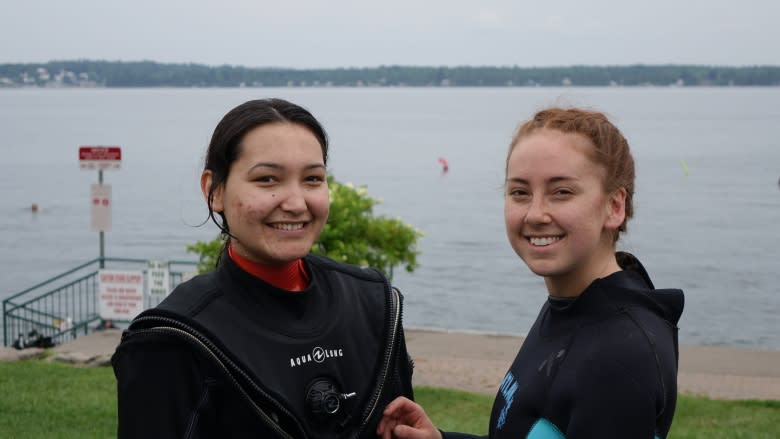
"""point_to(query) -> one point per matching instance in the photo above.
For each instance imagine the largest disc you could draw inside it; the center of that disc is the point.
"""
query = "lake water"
(714, 232)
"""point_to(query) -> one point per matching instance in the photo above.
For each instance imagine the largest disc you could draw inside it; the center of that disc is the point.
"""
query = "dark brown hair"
(225, 144)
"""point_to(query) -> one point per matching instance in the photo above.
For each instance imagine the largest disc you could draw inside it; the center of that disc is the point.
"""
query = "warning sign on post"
(100, 157)
(100, 201)
(120, 294)
(159, 279)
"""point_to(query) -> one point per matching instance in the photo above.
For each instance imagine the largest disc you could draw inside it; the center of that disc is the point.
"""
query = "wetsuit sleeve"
(160, 389)
(615, 398)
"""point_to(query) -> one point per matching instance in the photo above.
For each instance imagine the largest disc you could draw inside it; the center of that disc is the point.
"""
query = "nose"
(294, 200)
(537, 212)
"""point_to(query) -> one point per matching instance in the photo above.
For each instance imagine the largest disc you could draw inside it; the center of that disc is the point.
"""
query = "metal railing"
(66, 306)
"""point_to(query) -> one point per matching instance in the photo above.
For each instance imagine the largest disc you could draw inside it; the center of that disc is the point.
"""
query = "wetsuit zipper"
(182, 330)
(394, 314)
(176, 327)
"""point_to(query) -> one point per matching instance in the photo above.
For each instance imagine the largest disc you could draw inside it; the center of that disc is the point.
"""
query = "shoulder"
(620, 360)
(325, 264)
(627, 338)
(364, 287)
(191, 296)
(615, 372)
(619, 344)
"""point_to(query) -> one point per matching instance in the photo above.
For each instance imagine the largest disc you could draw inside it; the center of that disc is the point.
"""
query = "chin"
(542, 269)
(293, 254)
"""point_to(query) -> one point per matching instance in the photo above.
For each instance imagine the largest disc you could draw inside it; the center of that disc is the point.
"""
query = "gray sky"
(353, 33)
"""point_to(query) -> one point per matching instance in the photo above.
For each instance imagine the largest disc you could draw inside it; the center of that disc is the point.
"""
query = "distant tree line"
(87, 73)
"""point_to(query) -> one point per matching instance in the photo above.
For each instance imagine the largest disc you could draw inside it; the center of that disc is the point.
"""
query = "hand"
(405, 419)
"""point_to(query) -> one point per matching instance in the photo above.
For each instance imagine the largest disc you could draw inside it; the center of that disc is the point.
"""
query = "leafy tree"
(353, 235)
(208, 253)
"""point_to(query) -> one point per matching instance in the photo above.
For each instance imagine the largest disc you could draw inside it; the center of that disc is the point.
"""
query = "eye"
(518, 192)
(265, 179)
(563, 192)
(314, 179)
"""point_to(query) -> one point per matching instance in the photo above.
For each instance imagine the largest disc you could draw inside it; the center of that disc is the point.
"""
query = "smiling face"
(559, 219)
(275, 199)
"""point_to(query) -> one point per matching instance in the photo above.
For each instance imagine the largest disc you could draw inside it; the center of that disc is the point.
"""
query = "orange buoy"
(445, 166)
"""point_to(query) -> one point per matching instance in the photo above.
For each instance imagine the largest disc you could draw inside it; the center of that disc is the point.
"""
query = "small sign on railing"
(159, 278)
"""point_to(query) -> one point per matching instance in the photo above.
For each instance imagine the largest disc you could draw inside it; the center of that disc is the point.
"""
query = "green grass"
(40, 399)
(54, 400)
(695, 417)
(709, 418)
(453, 410)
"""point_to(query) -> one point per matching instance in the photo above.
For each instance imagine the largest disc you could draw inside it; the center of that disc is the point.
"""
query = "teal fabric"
(544, 429)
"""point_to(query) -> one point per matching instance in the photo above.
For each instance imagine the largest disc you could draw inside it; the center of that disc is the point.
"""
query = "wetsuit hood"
(670, 302)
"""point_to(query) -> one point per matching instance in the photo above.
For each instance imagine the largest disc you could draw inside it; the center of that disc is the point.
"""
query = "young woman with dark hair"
(276, 342)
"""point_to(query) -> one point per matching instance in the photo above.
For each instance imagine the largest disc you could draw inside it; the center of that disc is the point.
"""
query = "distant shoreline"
(103, 87)
(110, 74)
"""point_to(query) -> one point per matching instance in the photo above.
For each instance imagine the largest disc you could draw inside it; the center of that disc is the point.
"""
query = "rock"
(12, 354)
(72, 358)
(100, 361)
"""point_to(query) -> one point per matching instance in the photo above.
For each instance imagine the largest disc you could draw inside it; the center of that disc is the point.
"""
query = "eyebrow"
(278, 166)
(550, 180)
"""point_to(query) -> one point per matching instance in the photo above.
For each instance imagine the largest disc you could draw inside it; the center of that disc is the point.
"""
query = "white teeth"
(544, 241)
(288, 226)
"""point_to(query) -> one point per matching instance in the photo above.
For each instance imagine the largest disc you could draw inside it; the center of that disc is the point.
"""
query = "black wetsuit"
(227, 355)
(601, 366)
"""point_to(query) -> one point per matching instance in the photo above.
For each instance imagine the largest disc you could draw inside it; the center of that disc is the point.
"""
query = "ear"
(217, 204)
(616, 209)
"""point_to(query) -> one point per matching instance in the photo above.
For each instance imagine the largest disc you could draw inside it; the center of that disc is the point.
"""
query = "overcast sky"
(354, 33)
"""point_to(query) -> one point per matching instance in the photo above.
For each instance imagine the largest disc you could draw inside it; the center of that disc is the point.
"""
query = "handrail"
(52, 292)
(70, 303)
(59, 276)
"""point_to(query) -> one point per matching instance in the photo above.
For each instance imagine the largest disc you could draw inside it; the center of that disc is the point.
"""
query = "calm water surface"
(714, 232)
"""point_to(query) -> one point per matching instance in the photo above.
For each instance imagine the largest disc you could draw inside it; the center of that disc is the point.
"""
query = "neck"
(573, 284)
(291, 276)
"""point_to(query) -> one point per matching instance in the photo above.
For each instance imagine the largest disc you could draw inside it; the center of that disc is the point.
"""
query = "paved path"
(477, 363)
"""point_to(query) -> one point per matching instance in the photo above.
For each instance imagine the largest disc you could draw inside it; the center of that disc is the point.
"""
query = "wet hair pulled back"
(225, 145)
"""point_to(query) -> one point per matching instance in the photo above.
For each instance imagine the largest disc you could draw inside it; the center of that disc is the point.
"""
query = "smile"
(542, 241)
(288, 226)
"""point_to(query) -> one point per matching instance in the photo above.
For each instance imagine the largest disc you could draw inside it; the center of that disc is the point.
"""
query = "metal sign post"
(100, 158)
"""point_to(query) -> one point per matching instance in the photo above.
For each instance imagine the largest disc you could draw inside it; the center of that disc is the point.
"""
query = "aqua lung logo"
(317, 355)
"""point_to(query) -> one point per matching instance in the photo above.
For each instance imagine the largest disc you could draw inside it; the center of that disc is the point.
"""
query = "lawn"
(56, 400)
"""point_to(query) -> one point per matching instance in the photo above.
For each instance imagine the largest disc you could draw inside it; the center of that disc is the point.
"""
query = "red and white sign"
(100, 207)
(100, 157)
(120, 294)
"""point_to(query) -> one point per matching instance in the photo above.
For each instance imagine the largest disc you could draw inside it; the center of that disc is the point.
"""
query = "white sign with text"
(100, 201)
(120, 294)
(159, 278)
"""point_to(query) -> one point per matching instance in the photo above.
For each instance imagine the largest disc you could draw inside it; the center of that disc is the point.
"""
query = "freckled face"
(557, 213)
(275, 199)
